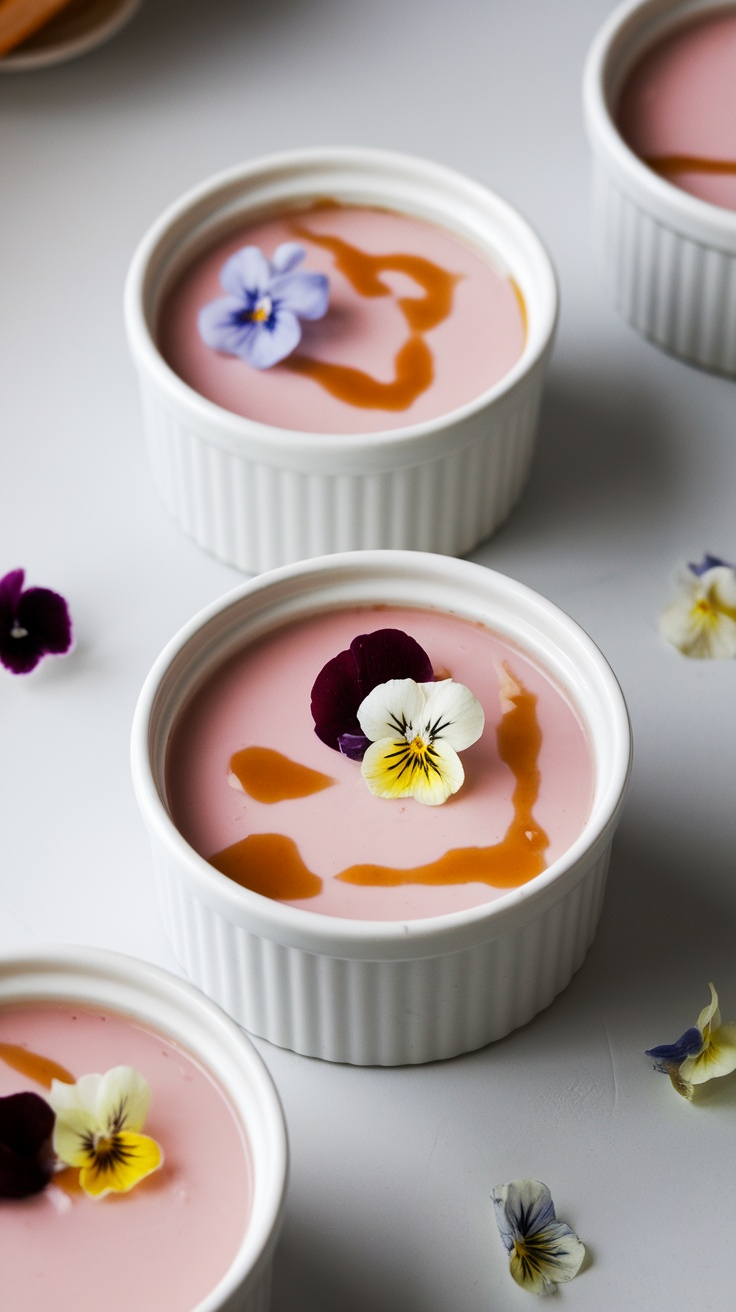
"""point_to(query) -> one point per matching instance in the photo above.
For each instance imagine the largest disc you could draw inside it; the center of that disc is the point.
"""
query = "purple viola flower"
(345, 681)
(259, 319)
(26, 1156)
(33, 623)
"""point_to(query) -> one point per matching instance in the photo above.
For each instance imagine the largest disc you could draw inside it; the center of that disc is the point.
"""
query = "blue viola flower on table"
(259, 320)
(543, 1251)
(704, 1052)
(34, 622)
(701, 620)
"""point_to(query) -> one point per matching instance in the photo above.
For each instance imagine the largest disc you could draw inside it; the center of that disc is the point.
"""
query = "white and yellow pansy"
(704, 1052)
(543, 1252)
(416, 731)
(97, 1129)
(701, 621)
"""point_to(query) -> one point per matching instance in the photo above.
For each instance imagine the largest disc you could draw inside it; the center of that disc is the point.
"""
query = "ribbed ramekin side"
(258, 516)
(676, 291)
(389, 1012)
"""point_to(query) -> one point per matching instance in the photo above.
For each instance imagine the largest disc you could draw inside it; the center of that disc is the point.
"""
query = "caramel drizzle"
(269, 776)
(669, 164)
(41, 1069)
(271, 864)
(413, 362)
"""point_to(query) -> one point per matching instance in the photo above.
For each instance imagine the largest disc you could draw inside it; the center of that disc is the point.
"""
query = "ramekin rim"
(237, 427)
(107, 968)
(704, 221)
(306, 928)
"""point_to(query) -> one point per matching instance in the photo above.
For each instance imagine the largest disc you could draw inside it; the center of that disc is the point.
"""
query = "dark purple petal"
(11, 587)
(668, 1054)
(353, 745)
(36, 625)
(345, 681)
(26, 1156)
(708, 562)
(335, 700)
(388, 654)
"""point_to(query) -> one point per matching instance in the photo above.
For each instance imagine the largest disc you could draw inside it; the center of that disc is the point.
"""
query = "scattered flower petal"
(543, 1251)
(259, 319)
(33, 623)
(705, 1051)
(416, 731)
(26, 1156)
(98, 1121)
(701, 621)
(345, 681)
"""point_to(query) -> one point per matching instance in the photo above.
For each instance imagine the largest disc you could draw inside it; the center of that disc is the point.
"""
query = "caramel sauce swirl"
(413, 362)
(271, 864)
(667, 165)
(41, 1069)
(268, 776)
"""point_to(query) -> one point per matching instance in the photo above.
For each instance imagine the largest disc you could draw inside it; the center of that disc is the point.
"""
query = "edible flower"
(33, 623)
(701, 621)
(416, 731)
(259, 318)
(345, 681)
(26, 1156)
(544, 1252)
(98, 1124)
(705, 1051)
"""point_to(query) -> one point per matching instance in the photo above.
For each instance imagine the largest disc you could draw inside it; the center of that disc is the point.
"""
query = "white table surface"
(391, 1169)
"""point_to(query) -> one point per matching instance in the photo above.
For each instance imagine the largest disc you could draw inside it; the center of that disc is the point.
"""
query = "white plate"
(82, 26)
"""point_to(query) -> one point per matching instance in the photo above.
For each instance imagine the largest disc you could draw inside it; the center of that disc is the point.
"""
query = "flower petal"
(388, 654)
(710, 1016)
(549, 1258)
(33, 624)
(120, 1164)
(544, 1252)
(701, 621)
(74, 1133)
(287, 256)
(346, 680)
(26, 1158)
(393, 709)
(123, 1099)
(717, 1058)
(221, 327)
(305, 294)
(430, 773)
(273, 340)
(246, 275)
(667, 1054)
(452, 713)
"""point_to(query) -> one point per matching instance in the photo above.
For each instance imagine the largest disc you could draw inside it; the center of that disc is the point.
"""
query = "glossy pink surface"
(166, 1244)
(262, 698)
(680, 100)
(472, 349)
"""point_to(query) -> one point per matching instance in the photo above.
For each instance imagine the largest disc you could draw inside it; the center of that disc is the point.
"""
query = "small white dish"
(258, 496)
(382, 992)
(169, 1006)
(668, 258)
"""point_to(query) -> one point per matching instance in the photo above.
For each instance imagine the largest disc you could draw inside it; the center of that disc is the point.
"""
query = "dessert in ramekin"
(405, 416)
(184, 1217)
(370, 926)
(659, 105)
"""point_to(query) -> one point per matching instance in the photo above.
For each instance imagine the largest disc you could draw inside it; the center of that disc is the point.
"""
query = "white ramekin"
(258, 496)
(669, 258)
(368, 992)
(172, 1007)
